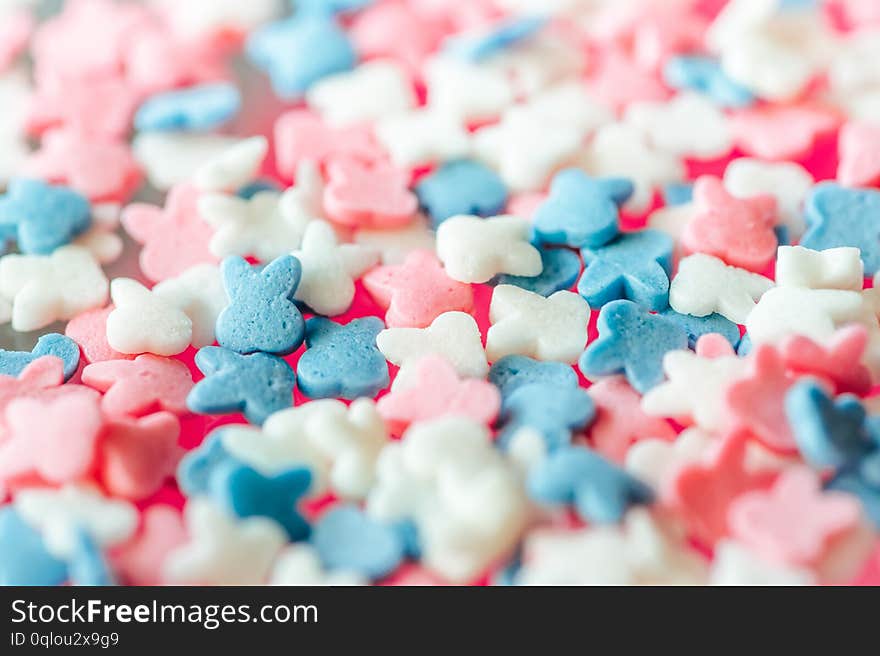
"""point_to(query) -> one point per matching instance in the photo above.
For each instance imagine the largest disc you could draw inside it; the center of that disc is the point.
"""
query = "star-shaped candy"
(139, 455)
(738, 231)
(780, 132)
(417, 291)
(633, 342)
(423, 136)
(525, 323)
(142, 322)
(437, 390)
(342, 361)
(41, 218)
(620, 421)
(261, 315)
(793, 522)
(174, 238)
(581, 211)
(43, 375)
(140, 386)
(12, 363)
(299, 51)
(621, 150)
(553, 412)
(839, 361)
(704, 285)
(199, 293)
(452, 335)
(600, 491)
(368, 194)
(461, 187)
(257, 384)
(329, 269)
(24, 559)
(837, 216)
(561, 268)
(474, 249)
(140, 559)
(635, 266)
(223, 550)
(100, 169)
(49, 288)
(859, 160)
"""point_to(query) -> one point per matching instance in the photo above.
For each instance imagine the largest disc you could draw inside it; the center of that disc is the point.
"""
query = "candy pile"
(440, 292)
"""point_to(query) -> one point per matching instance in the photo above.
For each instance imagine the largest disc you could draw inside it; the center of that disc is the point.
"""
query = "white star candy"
(171, 158)
(466, 91)
(620, 150)
(48, 288)
(689, 125)
(734, 564)
(372, 91)
(453, 335)
(234, 167)
(395, 245)
(704, 284)
(525, 323)
(423, 136)
(223, 550)
(299, 564)
(61, 513)
(654, 461)
(833, 268)
(200, 294)
(339, 443)
(467, 501)
(788, 182)
(144, 322)
(642, 551)
(678, 398)
(329, 269)
(474, 249)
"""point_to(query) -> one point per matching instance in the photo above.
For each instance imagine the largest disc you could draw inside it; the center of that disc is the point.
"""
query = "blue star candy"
(342, 361)
(580, 211)
(261, 315)
(299, 51)
(24, 559)
(632, 342)
(837, 216)
(551, 410)
(830, 432)
(635, 266)
(513, 371)
(705, 75)
(198, 108)
(499, 38)
(257, 384)
(40, 217)
(599, 491)
(248, 493)
(461, 187)
(561, 268)
(12, 363)
(347, 539)
(696, 327)
(195, 468)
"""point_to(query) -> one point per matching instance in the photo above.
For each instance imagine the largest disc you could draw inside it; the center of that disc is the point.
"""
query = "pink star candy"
(620, 422)
(138, 455)
(437, 391)
(755, 403)
(174, 238)
(619, 81)
(839, 363)
(368, 194)
(780, 132)
(40, 375)
(140, 386)
(702, 492)
(859, 148)
(54, 439)
(301, 135)
(89, 330)
(418, 291)
(101, 107)
(140, 558)
(794, 522)
(101, 169)
(15, 31)
(736, 230)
